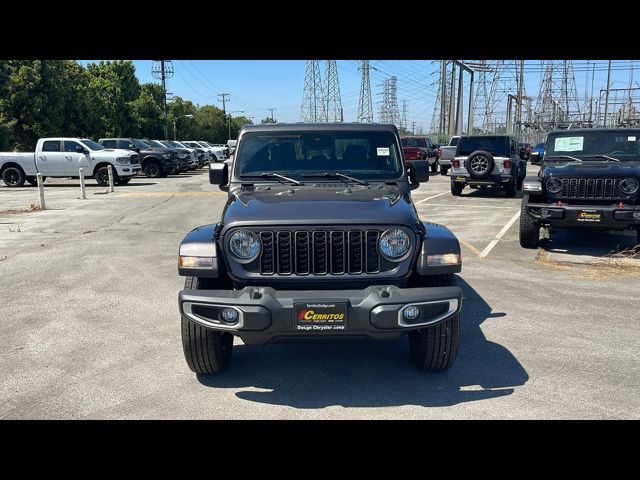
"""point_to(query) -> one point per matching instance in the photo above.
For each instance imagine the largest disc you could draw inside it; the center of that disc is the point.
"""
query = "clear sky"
(257, 85)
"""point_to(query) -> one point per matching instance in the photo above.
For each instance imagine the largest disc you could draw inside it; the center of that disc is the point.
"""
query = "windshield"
(178, 144)
(413, 142)
(454, 141)
(365, 154)
(156, 144)
(621, 145)
(140, 143)
(498, 146)
(91, 144)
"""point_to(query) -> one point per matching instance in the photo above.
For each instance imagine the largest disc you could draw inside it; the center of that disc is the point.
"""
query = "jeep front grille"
(591, 188)
(321, 252)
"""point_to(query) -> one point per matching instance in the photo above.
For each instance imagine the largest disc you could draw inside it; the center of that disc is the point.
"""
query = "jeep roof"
(325, 126)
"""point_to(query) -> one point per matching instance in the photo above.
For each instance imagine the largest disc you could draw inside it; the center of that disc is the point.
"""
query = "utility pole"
(404, 114)
(519, 102)
(606, 98)
(272, 110)
(413, 128)
(452, 98)
(443, 98)
(163, 69)
(224, 109)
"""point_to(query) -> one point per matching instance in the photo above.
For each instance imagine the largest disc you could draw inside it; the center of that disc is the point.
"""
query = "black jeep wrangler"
(319, 240)
(589, 178)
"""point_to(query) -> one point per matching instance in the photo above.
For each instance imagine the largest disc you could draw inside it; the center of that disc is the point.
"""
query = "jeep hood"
(313, 205)
(593, 169)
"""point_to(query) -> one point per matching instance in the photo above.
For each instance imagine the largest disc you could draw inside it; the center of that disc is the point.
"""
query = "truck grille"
(321, 252)
(594, 188)
(135, 160)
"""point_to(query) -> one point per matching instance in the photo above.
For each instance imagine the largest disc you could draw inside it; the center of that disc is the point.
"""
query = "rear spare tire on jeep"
(480, 164)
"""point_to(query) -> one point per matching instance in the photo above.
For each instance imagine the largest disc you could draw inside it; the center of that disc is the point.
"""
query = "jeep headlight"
(554, 185)
(394, 244)
(244, 245)
(166, 156)
(629, 186)
(123, 160)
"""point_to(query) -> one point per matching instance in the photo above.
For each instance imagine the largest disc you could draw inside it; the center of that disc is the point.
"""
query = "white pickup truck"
(446, 154)
(62, 157)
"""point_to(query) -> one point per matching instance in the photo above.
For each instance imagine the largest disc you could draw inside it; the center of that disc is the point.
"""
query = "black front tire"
(529, 228)
(123, 181)
(456, 190)
(153, 169)
(102, 176)
(435, 348)
(206, 351)
(443, 170)
(13, 177)
(33, 181)
(434, 166)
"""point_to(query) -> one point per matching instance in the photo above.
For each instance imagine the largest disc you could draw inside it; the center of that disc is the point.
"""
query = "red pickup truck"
(419, 148)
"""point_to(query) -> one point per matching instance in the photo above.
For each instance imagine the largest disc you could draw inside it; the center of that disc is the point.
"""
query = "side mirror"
(219, 175)
(80, 149)
(419, 172)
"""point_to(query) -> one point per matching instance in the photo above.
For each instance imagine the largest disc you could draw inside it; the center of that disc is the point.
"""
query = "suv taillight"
(439, 152)
(418, 155)
(507, 164)
(456, 163)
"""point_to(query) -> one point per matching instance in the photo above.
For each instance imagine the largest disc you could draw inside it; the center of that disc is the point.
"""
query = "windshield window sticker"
(382, 151)
(631, 138)
(568, 144)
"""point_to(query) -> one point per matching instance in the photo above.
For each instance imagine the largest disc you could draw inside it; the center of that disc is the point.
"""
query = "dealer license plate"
(589, 216)
(320, 316)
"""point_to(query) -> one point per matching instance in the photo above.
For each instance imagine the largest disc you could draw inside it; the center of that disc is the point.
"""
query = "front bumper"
(591, 216)
(128, 170)
(492, 180)
(266, 314)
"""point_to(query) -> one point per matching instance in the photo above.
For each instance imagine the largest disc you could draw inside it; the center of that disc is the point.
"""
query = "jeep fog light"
(229, 315)
(197, 262)
(444, 259)
(411, 312)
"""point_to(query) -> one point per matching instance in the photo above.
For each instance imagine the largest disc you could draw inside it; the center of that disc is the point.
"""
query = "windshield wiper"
(277, 175)
(608, 158)
(565, 156)
(337, 174)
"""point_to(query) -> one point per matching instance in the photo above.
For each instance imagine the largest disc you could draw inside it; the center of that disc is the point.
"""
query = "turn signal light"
(198, 262)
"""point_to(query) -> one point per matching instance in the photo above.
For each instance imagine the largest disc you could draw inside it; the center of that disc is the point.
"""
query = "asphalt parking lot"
(90, 324)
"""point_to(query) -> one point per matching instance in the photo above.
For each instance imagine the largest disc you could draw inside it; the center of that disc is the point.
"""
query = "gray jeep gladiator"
(319, 240)
(589, 179)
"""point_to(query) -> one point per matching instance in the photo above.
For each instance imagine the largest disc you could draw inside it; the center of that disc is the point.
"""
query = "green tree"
(185, 127)
(113, 87)
(237, 123)
(268, 120)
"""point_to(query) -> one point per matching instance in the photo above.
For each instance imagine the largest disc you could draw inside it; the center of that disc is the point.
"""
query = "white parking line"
(498, 237)
(467, 206)
(429, 198)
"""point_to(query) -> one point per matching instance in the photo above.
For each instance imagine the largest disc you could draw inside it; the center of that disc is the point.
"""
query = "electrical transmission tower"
(557, 105)
(313, 100)
(333, 110)
(365, 105)
(389, 112)
(403, 123)
(163, 69)
(439, 120)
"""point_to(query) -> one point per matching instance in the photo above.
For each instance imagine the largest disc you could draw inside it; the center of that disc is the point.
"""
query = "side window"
(123, 144)
(70, 146)
(513, 146)
(51, 146)
(109, 143)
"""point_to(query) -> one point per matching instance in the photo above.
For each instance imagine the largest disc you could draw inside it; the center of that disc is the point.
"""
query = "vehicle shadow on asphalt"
(95, 185)
(487, 192)
(371, 374)
(588, 242)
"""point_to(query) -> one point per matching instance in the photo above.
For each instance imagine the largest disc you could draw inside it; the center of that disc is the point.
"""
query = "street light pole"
(174, 124)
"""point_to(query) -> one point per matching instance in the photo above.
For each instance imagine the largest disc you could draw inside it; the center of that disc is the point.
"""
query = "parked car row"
(64, 156)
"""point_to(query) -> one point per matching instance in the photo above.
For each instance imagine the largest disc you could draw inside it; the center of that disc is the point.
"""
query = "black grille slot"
(284, 253)
(302, 253)
(317, 252)
(591, 188)
(320, 255)
(337, 252)
(434, 309)
(267, 258)
(373, 257)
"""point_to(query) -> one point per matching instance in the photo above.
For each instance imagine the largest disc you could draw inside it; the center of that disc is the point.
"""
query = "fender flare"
(437, 240)
(200, 242)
